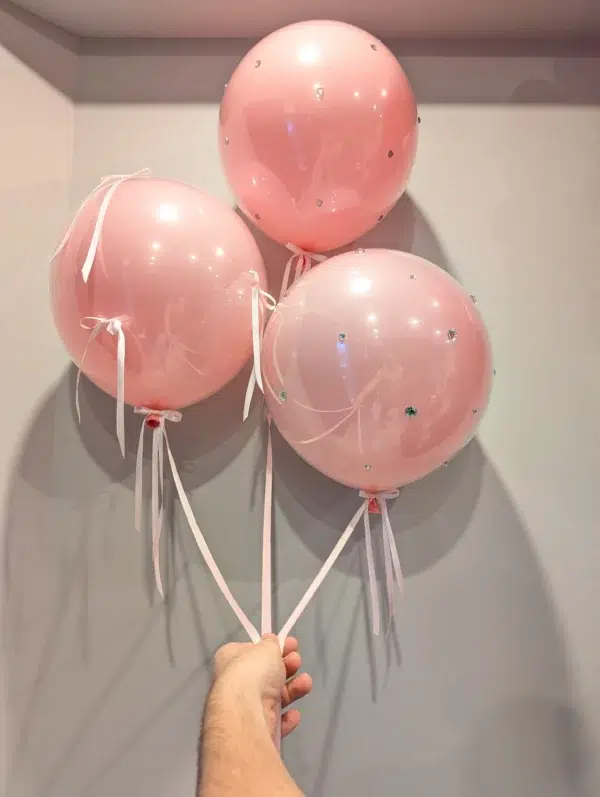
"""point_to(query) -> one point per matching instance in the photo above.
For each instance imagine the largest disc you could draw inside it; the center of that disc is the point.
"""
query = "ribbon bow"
(262, 302)
(114, 326)
(155, 420)
(304, 261)
(376, 503)
(109, 184)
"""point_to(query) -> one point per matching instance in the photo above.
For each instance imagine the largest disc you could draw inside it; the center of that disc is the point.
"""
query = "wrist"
(230, 699)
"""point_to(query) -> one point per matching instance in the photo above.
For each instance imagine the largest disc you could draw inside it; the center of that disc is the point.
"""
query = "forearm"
(237, 753)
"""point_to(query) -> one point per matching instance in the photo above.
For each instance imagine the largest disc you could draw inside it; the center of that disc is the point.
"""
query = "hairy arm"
(237, 754)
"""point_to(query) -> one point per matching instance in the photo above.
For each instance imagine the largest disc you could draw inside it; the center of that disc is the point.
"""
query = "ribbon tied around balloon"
(109, 185)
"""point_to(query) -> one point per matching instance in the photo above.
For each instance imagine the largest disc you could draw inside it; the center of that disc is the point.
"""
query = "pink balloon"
(318, 132)
(377, 368)
(174, 264)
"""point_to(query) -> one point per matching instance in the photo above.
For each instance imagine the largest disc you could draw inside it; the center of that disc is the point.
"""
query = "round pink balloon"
(377, 368)
(174, 264)
(318, 132)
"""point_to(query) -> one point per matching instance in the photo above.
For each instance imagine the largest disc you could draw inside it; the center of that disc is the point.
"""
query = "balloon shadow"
(318, 509)
(208, 438)
(482, 700)
(405, 228)
(79, 631)
(91, 665)
(428, 518)
(274, 255)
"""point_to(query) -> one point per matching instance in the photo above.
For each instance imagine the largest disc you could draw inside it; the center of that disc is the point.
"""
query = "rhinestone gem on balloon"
(284, 148)
(393, 394)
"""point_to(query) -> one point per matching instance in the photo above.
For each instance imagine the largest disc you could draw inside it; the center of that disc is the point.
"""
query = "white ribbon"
(155, 419)
(393, 571)
(262, 302)
(109, 184)
(304, 261)
(266, 624)
(113, 326)
(389, 544)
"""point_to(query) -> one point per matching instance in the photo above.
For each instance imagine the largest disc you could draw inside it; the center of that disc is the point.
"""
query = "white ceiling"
(388, 18)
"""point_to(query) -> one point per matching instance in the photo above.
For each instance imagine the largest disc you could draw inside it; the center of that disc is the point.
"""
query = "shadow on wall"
(105, 691)
(318, 509)
(484, 704)
(209, 437)
(92, 664)
(405, 228)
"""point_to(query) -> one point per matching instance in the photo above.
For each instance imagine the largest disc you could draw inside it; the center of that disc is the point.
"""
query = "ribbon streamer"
(155, 419)
(370, 501)
(110, 185)
(377, 504)
(262, 302)
(267, 539)
(114, 326)
(304, 261)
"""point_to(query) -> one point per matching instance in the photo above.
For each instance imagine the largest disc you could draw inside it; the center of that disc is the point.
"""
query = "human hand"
(262, 672)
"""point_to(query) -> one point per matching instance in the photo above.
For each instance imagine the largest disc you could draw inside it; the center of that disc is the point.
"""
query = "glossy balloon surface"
(377, 368)
(318, 133)
(173, 263)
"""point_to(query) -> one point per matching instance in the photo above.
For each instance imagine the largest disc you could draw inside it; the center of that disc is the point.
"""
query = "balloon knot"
(152, 421)
(373, 506)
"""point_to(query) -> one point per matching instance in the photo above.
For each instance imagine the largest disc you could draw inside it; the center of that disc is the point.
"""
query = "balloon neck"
(152, 421)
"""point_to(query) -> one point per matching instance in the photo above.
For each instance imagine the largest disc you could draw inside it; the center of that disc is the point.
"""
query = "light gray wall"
(36, 151)
(489, 685)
